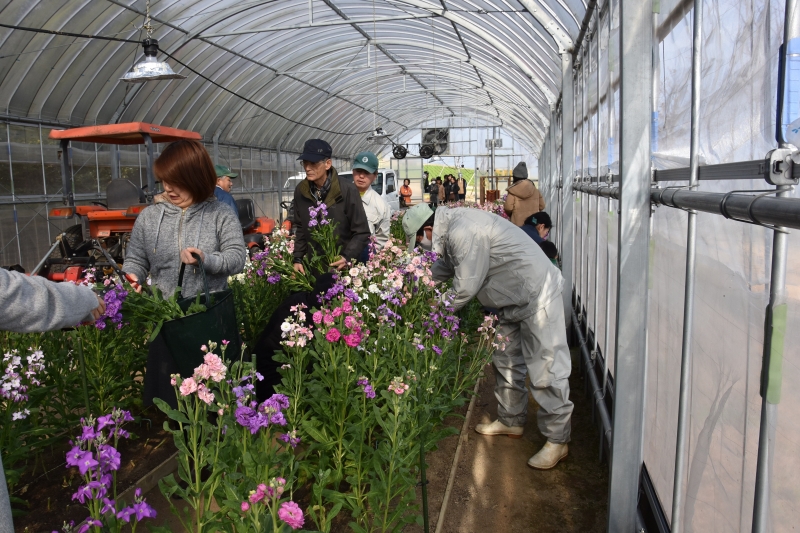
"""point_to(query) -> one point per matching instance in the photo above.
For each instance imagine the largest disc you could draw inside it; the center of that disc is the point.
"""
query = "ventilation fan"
(434, 142)
(399, 151)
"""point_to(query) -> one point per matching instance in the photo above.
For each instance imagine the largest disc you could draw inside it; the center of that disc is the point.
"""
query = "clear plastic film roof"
(272, 74)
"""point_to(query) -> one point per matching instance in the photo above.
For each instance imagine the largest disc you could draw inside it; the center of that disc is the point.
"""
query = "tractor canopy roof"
(126, 133)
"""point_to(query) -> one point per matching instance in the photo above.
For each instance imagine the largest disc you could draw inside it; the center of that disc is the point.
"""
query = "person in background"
(462, 188)
(523, 199)
(538, 226)
(166, 234)
(323, 186)
(225, 186)
(550, 251)
(433, 190)
(426, 183)
(451, 188)
(405, 193)
(488, 258)
(379, 214)
(442, 193)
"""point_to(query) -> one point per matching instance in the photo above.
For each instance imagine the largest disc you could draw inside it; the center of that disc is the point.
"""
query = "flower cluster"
(294, 329)
(113, 298)
(212, 369)
(349, 330)
(96, 458)
(288, 512)
(318, 215)
(397, 386)
(18, 377)
(369, 392)
(255, 416)
(290, 438)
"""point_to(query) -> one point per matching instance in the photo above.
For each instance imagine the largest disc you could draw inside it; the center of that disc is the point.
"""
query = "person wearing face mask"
(538, 226)
(188, 219)
(491, 259)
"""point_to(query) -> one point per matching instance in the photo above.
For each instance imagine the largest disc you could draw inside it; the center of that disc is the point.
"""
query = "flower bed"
(368, 375)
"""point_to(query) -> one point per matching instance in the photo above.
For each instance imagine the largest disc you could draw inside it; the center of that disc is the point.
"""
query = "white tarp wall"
(739, 87)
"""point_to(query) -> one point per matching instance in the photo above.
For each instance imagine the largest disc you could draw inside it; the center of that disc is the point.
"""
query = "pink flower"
(333, 335)
(216, 368)
(352, 340)
(188, 386)
(204, 348)
(202, 372)
(328, 319)
(245, 507)
(337, 312)
(347, 306)
(205, 394)
(350, 322)
(291, 513)
(172, 382)
(317, 317)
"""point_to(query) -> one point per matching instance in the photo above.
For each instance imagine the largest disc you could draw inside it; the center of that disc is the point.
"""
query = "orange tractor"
(101, 237)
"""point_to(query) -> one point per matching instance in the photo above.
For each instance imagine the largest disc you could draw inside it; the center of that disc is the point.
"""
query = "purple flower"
(108, 505)
(351, 295)
(437, 350)
(291, 438)
(88, 433)
(109, 457)
(143, 510)
(85, 462)
(273, 278)
(278, 419)
(369, 392)
(125, 514)
(74, 456)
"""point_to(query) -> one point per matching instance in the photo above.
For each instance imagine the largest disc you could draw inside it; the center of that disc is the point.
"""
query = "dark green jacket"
(344, 207)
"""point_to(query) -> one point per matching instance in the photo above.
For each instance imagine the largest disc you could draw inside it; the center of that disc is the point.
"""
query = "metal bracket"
(724, 209)
(780, 167)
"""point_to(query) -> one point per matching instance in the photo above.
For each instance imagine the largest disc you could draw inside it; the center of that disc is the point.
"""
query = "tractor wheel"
(73, 236)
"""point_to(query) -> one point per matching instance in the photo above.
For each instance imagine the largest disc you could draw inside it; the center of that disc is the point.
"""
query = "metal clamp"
(780, 167)
(675, 187)
(723, 207)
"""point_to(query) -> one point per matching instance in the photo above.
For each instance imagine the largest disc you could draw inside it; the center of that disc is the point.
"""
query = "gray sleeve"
(469, 254)
(136, 261)
(232, 252)
(32, 303)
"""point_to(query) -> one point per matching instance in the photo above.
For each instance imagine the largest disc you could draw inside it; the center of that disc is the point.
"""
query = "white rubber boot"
(549, 456)
(498, 428)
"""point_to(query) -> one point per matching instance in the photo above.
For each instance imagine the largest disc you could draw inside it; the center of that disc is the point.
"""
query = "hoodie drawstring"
(158, 228)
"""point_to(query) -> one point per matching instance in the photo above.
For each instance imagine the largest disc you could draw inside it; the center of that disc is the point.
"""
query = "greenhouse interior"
(292, 364)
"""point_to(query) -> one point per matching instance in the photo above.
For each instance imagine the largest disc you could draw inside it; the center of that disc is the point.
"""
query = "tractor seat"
(123, 193)
(247, 213)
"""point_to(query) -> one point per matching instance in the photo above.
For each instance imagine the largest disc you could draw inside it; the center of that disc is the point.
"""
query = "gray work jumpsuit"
(490, 258)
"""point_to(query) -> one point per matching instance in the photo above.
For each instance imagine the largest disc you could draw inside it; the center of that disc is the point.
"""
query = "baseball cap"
(316, 150)
(367, 161)
(414, 219)
(222, 170)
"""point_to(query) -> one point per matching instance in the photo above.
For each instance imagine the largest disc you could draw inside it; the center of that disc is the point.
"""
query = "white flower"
(19, 415)
(286, 327)
(353, 272)
(373, 289)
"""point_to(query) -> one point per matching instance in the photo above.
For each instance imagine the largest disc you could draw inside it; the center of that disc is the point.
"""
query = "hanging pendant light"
(151, 68)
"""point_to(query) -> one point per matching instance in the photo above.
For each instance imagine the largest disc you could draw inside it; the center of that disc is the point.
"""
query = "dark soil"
(49, 490)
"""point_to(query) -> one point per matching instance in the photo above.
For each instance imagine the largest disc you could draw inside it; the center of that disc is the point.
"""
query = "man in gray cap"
(491, 259)
(379, 214)
(323, 186)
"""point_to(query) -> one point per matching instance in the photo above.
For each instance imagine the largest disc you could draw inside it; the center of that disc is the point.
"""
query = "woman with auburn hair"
(188, 219)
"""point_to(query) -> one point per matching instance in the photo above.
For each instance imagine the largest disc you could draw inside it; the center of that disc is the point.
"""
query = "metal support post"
(597, 200)
(215, 141)
(631, 326)
(567, 176)
(280, 185)
(579, 219)
(681, 451)
(149, 160)
(66, 175)
(774, 334)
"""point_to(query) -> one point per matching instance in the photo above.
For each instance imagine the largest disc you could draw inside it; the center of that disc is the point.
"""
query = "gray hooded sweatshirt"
(163, 230)
(490, 258)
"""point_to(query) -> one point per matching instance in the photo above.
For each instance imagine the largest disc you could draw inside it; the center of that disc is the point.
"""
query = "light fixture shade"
(151, 68)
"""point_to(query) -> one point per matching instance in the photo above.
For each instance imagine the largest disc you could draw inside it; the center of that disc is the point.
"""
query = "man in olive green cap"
(379, 214)
(225, 185)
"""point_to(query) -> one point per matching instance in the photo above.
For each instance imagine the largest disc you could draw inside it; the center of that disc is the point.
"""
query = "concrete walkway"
(495, 490)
